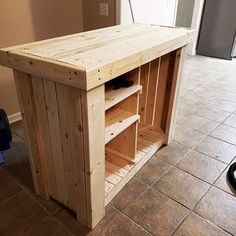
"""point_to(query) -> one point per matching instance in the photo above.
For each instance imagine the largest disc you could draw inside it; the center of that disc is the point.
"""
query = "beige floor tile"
(152, 170)
(182, 187)
(202, 166)
(200, 124)
(231, 121)
(186, 106)
(187, 137)
(172, 152)
(225, 133)
(229, 96)
(217, 149)
(225, 105)
(157, 213)
(129, 193)
(195, 225)
(219, 207)
(213, 114)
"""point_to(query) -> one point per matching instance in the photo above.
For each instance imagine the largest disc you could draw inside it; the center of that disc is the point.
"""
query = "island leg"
(94, 153)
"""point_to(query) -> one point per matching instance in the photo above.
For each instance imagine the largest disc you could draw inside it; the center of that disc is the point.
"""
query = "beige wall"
(30, 20)
(92, 18)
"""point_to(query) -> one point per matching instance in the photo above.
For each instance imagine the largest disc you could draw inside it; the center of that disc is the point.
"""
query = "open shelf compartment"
(154, 106)
(119, 170)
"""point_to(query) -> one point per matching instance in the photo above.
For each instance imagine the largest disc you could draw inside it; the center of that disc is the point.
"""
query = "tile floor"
(182, 190)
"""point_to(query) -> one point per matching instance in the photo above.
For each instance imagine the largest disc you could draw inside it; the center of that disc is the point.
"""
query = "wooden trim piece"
(74, 76)
(93, 115)
(33, 133)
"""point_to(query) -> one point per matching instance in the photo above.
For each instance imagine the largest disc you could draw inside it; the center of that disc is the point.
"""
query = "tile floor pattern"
(181, 191)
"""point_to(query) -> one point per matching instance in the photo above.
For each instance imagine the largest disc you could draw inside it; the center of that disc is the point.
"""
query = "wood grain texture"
(33, 133)
(94, 152)
(171, 113)
(87, 60)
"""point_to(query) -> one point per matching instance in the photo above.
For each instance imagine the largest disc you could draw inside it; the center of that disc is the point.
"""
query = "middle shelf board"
(112, 97)
(116, 121)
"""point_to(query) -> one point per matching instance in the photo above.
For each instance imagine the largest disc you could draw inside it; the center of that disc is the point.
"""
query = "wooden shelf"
(117, 120)
(119, 171)
(112, 97)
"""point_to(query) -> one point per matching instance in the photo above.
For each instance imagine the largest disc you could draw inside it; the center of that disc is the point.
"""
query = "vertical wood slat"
(152, 91)
(71, 129)
(94, 153)
(144, 81)
(41, 111)
(33, 134)
(162, 81)
(173, 61)
(134, 75)
(55, 134)
(174, 94)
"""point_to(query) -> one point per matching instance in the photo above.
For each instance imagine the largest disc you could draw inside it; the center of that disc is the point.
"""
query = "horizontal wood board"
(88, 59)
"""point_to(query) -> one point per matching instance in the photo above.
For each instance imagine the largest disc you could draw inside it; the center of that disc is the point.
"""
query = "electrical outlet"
(103, 9)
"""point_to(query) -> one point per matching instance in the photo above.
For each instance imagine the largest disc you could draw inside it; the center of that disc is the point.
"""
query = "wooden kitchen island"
(86, 139)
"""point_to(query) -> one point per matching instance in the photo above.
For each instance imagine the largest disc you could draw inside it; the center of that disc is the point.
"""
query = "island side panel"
(67, 138)
(172, 105)
(34, 134)
(93, 103)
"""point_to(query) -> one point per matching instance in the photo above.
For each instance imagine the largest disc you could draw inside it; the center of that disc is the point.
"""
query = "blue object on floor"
(2, 159)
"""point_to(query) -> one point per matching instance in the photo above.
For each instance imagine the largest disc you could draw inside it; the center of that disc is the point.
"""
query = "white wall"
(161, 12)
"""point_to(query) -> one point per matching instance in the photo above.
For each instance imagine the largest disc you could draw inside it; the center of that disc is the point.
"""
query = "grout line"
(121, 211)
(10, 198)
(18, 136)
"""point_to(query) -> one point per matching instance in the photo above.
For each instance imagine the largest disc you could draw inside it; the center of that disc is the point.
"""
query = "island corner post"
(86, 140)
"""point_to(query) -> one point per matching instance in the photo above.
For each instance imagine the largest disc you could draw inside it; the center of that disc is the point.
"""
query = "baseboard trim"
(14, 117)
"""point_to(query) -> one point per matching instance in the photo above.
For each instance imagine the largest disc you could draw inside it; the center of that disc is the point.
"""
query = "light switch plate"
(103, 9)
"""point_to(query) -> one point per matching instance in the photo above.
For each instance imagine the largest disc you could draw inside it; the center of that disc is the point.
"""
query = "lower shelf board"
(119, 170)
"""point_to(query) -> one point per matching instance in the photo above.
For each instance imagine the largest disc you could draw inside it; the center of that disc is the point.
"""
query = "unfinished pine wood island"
(86, 138)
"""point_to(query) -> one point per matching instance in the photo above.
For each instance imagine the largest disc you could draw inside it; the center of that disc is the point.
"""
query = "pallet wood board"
(112, 97)
(117, 120)
(87, 60)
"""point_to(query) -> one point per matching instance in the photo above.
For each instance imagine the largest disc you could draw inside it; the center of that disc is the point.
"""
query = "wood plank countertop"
(86, 60)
